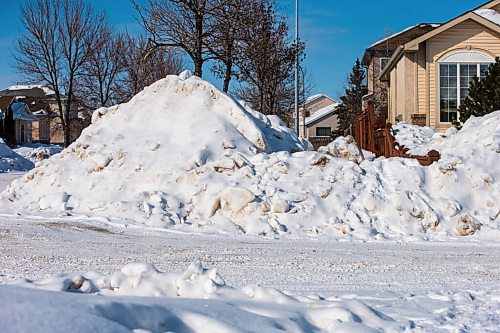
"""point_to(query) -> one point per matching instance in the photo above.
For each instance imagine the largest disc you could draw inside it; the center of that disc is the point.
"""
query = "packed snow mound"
(184, 156)
(11, 161)
(197, 300)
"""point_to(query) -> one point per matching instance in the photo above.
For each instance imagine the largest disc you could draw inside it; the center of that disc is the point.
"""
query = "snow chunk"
(344, 147)
(235, 199)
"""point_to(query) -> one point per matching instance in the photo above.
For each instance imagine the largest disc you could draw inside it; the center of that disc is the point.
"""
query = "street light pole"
(297, 130)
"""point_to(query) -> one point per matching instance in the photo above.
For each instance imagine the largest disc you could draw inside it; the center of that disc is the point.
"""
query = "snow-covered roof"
(322, 113)
(46, 90)
(434, 25)
(41, 112)
(20, 111)
(489, 14)
(317, 96)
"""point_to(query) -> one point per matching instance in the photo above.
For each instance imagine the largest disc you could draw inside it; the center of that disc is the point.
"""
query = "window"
(456, 71)
(23, 134)
(383, 63)
(323, 131)
(454, 82)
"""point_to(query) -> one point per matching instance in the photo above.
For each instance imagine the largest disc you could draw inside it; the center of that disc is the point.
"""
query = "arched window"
(456, 70)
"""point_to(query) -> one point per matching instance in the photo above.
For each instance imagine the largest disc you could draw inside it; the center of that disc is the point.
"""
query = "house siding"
(466, 35)
(422, 87)
(392, 96)
(319, 104)
(409, 61)
(330, 121)
(402, 96)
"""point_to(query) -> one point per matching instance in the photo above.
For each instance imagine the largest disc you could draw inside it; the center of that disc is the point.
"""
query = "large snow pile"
(183, 155)
(197, 300)
(11, 161)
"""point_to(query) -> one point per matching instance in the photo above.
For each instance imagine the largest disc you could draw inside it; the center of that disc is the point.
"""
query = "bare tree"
(267, 61)
(98, 85)
(140, 71)
(185, 24)
(232, 19)
(58, 39)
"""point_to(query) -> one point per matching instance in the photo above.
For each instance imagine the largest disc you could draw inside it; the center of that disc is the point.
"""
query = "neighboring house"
(46, 127)
(428, 76)
(16, 120)
(317, 117)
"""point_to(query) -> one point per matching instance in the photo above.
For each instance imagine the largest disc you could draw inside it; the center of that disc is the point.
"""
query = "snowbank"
(11, 161)
(184, 156)
(197, 300)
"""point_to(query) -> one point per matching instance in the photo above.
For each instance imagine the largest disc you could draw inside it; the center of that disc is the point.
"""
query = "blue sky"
(336, 31)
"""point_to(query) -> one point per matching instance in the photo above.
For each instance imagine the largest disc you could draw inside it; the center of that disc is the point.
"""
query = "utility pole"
(297, 130)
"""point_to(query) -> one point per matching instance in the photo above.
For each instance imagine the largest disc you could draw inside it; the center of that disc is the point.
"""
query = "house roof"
(47, 91)
(413, 45)
(322, 113)
(27, 90)
(489, 14)
(314, 98)
(21, 111)
(41, 112)
(389, 44)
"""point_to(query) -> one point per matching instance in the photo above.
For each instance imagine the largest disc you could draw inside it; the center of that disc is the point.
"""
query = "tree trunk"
(66, 124)
(227, 76)
(198, 61)
(198, 67)
(67, 134)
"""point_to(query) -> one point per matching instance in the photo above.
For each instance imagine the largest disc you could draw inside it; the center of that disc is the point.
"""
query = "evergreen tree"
(351, 106)
(484, 95)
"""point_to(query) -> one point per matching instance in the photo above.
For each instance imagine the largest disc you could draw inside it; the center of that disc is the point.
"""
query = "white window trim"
(467, 56)
(380, 63)
(459, 102)
(459, 57)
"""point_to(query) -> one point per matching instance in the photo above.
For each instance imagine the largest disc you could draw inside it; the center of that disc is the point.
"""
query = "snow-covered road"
(38, 248)
(428, 284)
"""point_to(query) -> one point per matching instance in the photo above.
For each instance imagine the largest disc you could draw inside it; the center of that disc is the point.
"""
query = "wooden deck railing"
(320, 141)
(373, 134)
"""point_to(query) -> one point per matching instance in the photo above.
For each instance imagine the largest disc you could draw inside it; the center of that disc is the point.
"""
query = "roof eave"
(411, 45)
(333, 111)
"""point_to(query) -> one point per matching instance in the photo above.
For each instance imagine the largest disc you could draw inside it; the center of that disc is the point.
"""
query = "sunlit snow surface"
(184, 156)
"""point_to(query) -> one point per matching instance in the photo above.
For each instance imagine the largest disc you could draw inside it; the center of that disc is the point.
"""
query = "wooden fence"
(375, 135)
(320, 141)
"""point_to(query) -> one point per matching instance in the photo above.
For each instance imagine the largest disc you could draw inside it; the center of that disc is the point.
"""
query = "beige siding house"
(318, 117)
(375, 60)
(429, 76)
